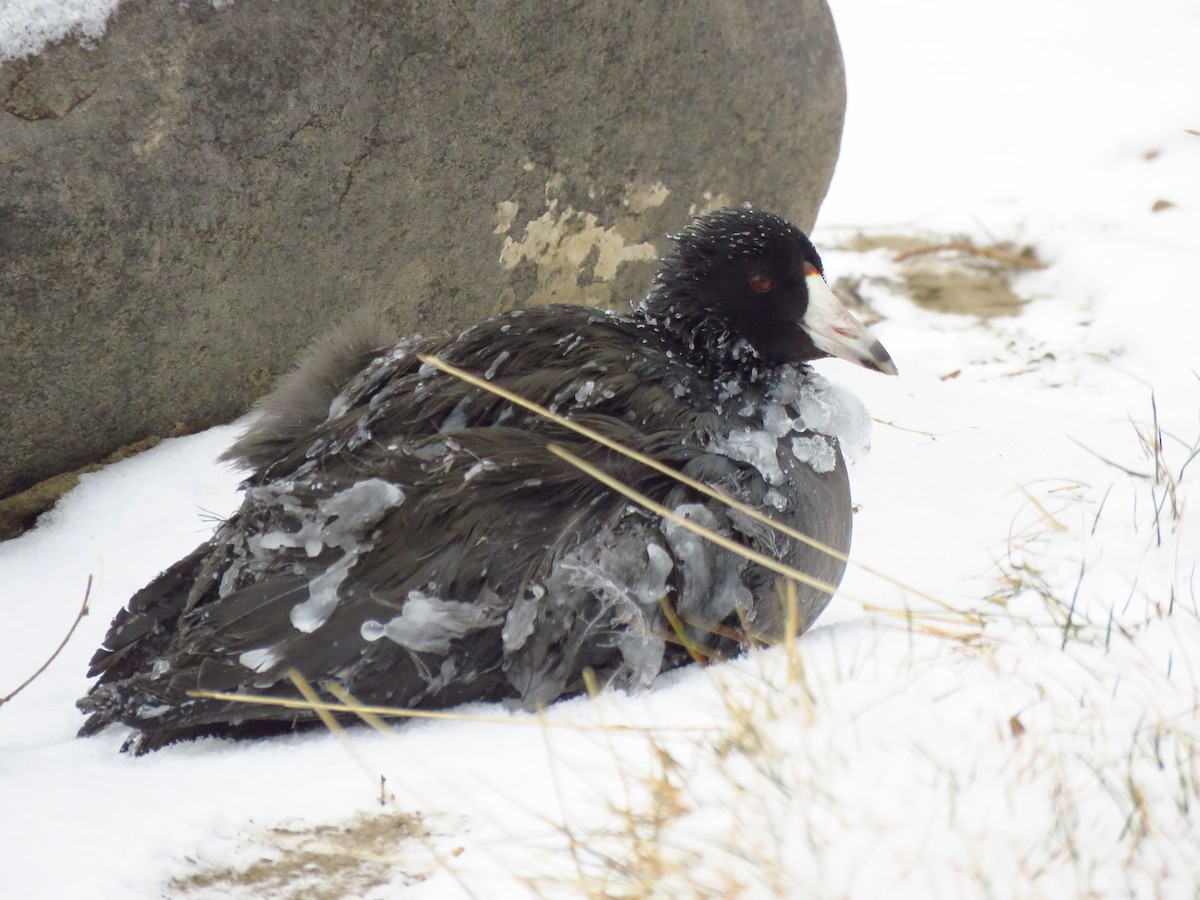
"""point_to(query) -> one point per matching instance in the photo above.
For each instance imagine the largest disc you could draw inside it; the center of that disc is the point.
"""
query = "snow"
(816, 451)
(806, 404)
(754, 446)
(340, 521)
(1041, 739)
(28, 25)
(496, 364)
(311, 614)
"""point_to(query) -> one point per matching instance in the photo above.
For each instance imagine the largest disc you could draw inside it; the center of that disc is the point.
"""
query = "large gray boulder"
(186, 202)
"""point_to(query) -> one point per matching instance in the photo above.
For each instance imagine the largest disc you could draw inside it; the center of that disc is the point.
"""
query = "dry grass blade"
(316, 705)
(1006, 256)
(331, 723)
(361, 711)
(698, 656)
(1047, 517)
(310, 695)
(791, 626)
(768, 562)
(1108, 462)
(708, 534)
(662, 468)
(83, 611)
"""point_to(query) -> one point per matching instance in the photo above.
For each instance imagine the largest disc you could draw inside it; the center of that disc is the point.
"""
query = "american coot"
(410, 536)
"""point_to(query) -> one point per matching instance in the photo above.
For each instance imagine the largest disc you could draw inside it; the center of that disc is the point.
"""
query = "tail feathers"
(301, 399)
(162, 708)
(160, 717)
(142, 629)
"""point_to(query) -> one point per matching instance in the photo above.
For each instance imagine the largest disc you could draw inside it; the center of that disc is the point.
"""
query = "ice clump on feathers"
(428, 624)
(803, 403)
(711, 586)
(607, 591)
(755, 446)
(341, 521)
(828, 409)
(815, 450)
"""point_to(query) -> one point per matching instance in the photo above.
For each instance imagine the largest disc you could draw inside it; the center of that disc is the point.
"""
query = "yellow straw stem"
(310, 695)
(346, 697)
(400, 712)
(697, 655)
(707, 533)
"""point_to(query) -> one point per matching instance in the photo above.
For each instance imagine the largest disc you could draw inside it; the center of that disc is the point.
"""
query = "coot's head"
(744, 273)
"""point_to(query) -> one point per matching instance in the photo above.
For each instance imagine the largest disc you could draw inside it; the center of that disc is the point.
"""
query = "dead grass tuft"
(324, 862)
(948, 275)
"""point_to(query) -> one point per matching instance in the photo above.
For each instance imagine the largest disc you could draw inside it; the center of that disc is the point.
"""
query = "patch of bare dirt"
(325, 862)
(951, 275)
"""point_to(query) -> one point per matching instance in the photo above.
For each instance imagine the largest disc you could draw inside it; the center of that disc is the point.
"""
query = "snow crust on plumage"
(798, 402)
(311, 614)
(604, 593)
(711, 586)
(338, 522)
(457, 419)
(496, 364)
(816, 451)
(828, 409)
(427, 623)
(484, 465)
(259, 660)
(521, 619)
(752, 445)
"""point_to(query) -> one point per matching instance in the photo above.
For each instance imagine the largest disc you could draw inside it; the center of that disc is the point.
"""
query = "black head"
(742, 273)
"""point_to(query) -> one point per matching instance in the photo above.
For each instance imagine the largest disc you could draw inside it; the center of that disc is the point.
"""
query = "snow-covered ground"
(1029, 471)
(28, 25)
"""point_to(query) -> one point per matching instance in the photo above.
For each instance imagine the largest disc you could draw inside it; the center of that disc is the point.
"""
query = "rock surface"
(185, 203)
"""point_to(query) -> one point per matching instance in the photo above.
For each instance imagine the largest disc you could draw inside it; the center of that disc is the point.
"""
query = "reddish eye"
(762, 283)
